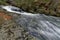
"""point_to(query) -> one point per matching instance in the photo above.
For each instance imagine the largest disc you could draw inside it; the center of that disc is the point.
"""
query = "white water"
(39, 25)
(12, 9)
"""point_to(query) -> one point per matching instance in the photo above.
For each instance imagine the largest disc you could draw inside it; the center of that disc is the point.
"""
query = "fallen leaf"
(5, 16)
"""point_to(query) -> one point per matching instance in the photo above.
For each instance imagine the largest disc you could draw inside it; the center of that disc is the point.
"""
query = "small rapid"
(16, 10)
(40, 26)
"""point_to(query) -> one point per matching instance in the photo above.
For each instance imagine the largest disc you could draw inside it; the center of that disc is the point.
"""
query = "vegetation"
(48, 7)
(40, 6)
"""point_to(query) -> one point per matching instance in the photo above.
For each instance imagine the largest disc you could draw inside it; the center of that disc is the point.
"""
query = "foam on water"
(18, 11)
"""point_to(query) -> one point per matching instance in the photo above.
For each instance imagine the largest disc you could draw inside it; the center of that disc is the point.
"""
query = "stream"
(41, 26)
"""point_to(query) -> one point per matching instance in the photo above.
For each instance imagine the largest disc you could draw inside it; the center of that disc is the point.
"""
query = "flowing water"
(40, 26)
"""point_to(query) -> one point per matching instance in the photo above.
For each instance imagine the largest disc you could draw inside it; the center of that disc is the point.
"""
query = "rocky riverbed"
(34, 27)
(30, 23)
(10, 30)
